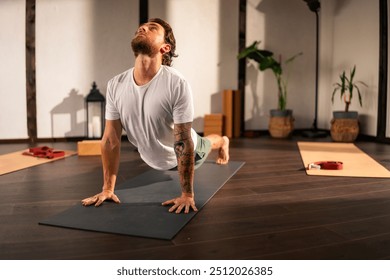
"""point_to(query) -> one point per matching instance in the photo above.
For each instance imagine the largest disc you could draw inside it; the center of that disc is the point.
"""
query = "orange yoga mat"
(16, 161)
(356, 163)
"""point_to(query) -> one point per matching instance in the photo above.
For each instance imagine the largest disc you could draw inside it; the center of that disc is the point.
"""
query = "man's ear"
(166, 48)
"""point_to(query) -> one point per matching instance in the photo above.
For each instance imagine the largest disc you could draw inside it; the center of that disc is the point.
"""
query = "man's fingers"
(188, 206)
(86, 200)
(171, 201)
(173, 208)
(101, 198)
(180, 204)
(100, 201)
(89, 201)
(178, 210)
(115, 198)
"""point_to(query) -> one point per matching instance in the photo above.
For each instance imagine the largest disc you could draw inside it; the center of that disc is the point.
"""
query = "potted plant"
(281, 122)
(345, 124)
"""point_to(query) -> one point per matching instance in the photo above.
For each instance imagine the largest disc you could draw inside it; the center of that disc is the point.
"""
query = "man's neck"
(145, 69)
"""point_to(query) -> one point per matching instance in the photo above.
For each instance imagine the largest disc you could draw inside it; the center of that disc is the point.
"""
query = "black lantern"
(95, 103)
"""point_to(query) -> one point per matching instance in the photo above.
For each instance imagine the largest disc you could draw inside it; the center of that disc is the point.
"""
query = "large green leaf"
(266, 60)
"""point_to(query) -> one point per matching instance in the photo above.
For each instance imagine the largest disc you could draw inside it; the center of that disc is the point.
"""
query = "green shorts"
(203, 148)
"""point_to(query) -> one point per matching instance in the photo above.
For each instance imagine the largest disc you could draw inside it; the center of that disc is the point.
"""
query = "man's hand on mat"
(100, 197)
(179, 203)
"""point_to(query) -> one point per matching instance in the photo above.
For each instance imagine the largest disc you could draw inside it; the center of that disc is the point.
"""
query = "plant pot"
(344, 126)
(281, 123)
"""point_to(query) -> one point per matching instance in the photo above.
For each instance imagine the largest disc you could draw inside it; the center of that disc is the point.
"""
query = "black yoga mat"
(140, 212)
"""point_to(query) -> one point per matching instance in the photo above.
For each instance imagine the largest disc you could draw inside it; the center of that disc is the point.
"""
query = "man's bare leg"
(222, 144)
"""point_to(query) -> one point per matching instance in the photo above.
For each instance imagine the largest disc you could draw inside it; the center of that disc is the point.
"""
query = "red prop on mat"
(329, 165)
(44, 152)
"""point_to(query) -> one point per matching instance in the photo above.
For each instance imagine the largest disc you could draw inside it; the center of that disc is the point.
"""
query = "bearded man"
(153, 103)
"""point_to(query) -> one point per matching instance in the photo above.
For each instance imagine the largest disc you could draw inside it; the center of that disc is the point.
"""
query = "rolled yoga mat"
(140, 212)
(356, 163)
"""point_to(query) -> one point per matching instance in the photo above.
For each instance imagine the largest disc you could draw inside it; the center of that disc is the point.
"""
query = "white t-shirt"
(148, 112)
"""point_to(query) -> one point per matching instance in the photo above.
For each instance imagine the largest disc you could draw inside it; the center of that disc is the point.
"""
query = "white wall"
(13, 115)
(256, 101)
(207, 44)
(350, 37)
(78, 42)
(285, 27)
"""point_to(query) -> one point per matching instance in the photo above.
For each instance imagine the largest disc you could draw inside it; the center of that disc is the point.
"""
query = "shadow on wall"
(252, 73)
(197, 124)
(228, 50)
(227, 64)
(340, 5)
(158, 9)
(70, 108)
(228, 45)
(216, 103)
(289, 28)
(111, 37)
(114, 26)
(274, 38)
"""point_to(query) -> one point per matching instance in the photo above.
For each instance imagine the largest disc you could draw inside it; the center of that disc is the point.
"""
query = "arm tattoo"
(179, 148)
(184, 150)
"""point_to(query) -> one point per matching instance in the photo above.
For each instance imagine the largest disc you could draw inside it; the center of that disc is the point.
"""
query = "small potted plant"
(281, 123)
(345, 124)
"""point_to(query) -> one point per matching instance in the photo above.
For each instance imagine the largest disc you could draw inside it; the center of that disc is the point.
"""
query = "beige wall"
(78, 42)
(350, 36)
(285, 27)
(207, 43)
(13, 116)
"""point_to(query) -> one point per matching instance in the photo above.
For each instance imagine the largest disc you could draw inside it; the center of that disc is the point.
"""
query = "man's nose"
(142, 29)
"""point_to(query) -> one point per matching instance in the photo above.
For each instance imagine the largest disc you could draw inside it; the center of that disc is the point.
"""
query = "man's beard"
(141, 45)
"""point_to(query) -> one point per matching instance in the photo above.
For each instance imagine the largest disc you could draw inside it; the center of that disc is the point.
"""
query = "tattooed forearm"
(184, 150)
(179, 148)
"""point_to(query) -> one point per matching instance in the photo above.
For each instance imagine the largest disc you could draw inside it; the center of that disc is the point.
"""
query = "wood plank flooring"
(269, 210)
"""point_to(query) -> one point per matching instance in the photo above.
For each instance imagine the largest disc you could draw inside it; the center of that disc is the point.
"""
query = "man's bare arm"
(184, 149)
(110, 147)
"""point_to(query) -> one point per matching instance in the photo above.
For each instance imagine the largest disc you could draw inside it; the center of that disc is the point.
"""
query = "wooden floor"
(269, 210)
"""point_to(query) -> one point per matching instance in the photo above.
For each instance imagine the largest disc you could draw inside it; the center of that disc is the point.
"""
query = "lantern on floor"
(95, 103)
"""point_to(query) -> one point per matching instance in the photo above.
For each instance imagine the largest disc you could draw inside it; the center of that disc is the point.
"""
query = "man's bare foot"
(223, 154)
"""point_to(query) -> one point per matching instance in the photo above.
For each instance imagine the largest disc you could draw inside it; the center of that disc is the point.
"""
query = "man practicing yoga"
(153, 103)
